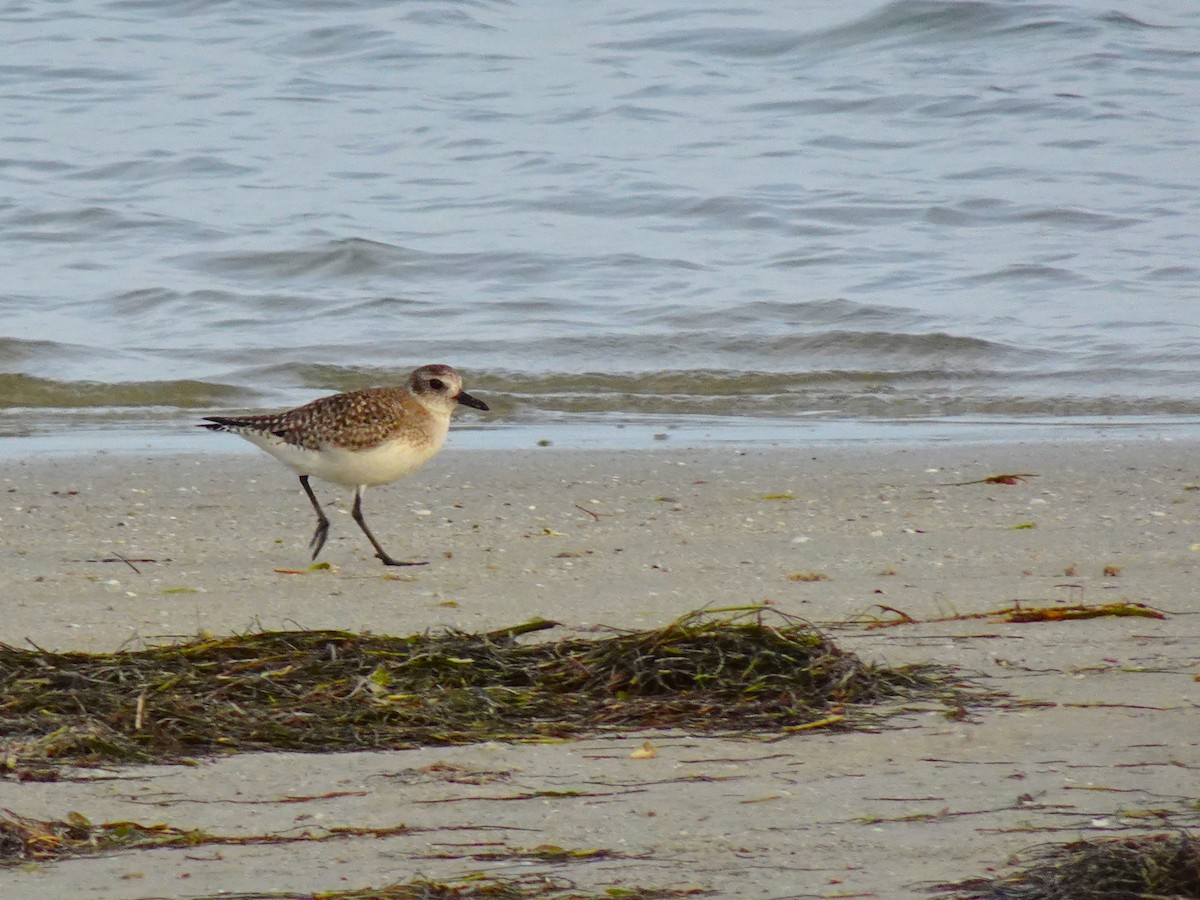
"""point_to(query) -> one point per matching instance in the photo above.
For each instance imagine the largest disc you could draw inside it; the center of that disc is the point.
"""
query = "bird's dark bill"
(467, 400)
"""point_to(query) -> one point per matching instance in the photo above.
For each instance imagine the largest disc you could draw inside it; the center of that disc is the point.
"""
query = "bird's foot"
(319, 536)
(388, 561)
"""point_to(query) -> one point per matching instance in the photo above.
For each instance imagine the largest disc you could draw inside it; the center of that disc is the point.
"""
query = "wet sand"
(634, 539)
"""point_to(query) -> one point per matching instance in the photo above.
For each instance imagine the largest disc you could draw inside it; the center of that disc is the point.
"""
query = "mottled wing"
(355, 421)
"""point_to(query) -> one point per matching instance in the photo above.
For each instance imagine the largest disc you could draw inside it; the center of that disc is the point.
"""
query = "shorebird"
(359, 439)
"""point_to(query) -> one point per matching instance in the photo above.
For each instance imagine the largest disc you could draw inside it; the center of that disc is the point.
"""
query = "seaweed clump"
(315, 691)
(26, 840)
(1145, 867)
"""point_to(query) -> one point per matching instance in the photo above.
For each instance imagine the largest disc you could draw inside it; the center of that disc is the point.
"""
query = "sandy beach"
(1102, 728)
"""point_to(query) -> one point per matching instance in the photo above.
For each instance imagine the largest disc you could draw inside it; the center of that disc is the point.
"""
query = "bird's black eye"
(437, 384)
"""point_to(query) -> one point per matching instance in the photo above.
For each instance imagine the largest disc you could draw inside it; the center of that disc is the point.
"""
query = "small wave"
(1027, 274)
(358, 257)
(15, 350)
(26, 391)
(992, 212)
(865, 394)
(70, 226)
(776, 346)
(338, 257)
(150, 171)
(518, 397)
(794, 313)
(336, 42)
(904, 22)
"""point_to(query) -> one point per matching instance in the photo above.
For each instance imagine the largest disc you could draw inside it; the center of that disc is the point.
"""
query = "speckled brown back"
(357, 420)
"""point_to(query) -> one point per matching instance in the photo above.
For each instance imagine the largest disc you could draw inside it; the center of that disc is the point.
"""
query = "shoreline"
(1101, 723)
(174, 435)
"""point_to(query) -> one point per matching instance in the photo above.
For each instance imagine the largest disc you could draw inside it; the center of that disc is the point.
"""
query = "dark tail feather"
(216, 423)
(254, 424)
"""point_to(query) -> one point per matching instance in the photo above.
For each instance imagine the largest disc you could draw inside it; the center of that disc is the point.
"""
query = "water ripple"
(876, 209)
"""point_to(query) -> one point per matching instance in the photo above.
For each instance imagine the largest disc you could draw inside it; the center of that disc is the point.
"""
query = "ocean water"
(735, 222)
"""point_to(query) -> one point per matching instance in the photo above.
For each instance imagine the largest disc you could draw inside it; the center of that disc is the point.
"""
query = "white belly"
(377, 465)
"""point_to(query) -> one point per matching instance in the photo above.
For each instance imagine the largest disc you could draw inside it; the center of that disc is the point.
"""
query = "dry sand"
(634, 539)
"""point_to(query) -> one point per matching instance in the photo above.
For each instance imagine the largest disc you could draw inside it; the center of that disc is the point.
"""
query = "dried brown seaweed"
(1021, 614)
(749, 670)
(25, 840)
(1146, 867)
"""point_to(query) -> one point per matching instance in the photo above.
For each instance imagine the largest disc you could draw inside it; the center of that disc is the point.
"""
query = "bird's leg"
(362, 523)
(322, 532)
